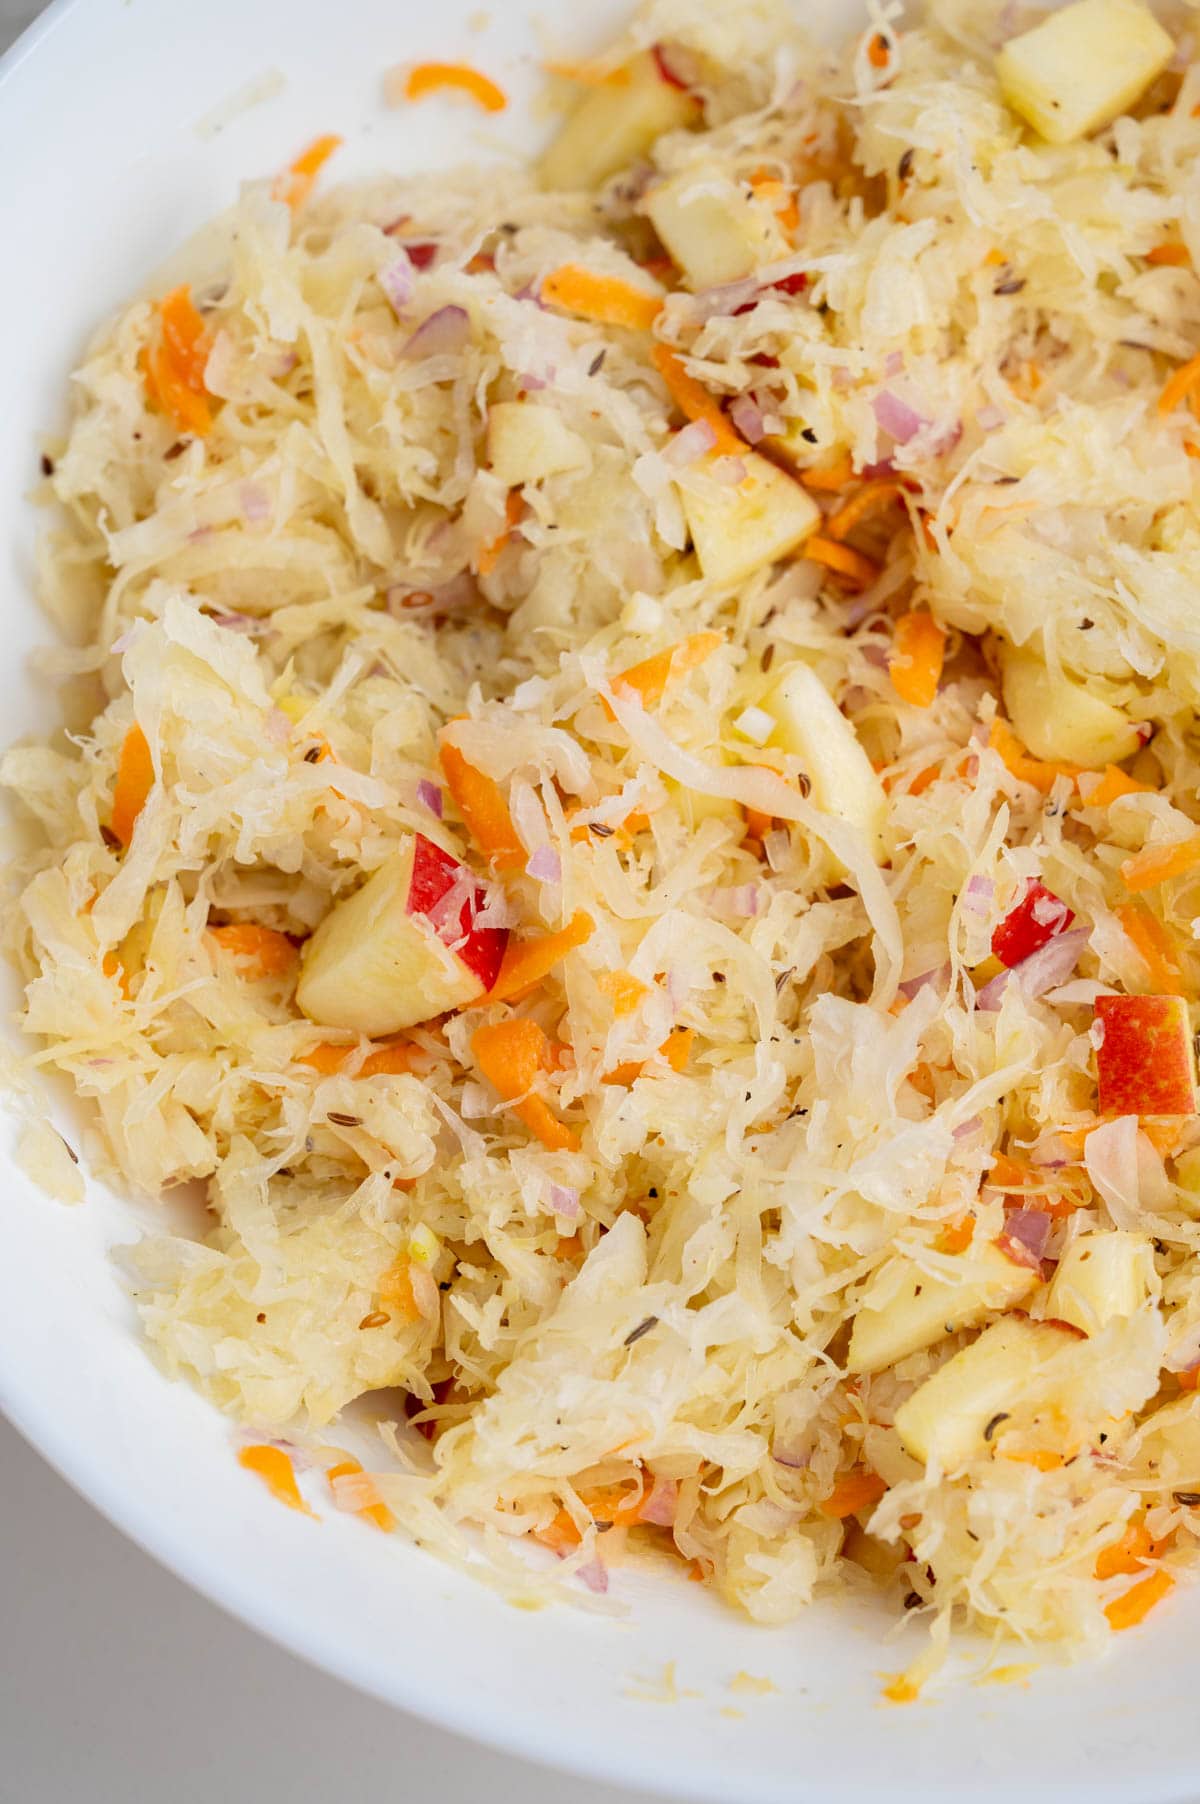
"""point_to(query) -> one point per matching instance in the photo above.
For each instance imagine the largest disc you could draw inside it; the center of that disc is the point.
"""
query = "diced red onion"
(883, 466)
(742, 901)
(677, 66)
(794, 1458)
(531, 384)
(565, 1201)
(545, 864)
(660, 1503)
(430, 796)
(688, 446)
(421, 252)
(1050, 965)
(441, 335)
(237, 623)
(893, 363)
(594, 1575)
(746, 415)
(895, 416)
(965, 1129)
(978, 894)
(398, 281)
(912, 986)
(254, 502)
(1026, 1232)
(278, 727)
(726, 298)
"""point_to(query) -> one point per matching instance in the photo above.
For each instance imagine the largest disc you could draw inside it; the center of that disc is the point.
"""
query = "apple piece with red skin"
(1144, 1057)
(404, 947)
(1037, 918)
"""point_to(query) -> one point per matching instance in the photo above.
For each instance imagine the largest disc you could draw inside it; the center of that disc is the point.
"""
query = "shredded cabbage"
(293, 608)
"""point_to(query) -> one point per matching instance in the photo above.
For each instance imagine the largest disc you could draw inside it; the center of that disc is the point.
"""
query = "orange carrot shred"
(135, 780)
(879, 51)
(1126, 1611)
(1171, 255)
(1128, 1554)
(623, 989)
(489, 557)
(378, 1512)
(260, 951)
(918, 651)
(854, 1491)
(273, 1466)
(1180, 386)
(173, 366)
(526, 962)
(605, 299)
(872, 498)
(511, 1054)
(956, 1236)
(650, 678)
(431, 78)
(1019, 763)
(483, 809)
(299, 179)
(695, 403)
(389, 1059)
(1157, 864)
(829, 479)
(857, 569)
(1155, 947)
(590, 74)
(1112, 785)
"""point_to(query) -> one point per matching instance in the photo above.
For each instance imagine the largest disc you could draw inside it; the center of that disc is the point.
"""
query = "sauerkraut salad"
(628, 818)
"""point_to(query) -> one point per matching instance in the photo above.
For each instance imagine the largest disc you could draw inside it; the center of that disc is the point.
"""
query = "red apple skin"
(1145, 1062)
(434, 874)
(1021, 932)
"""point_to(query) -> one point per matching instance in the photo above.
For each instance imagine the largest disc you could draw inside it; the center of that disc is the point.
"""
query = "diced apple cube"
(1082, 66)
(945, 1419)
(1144, 1058)
(737, 528)
(810, 725)
(526, 442)
(1100, 1277)
(402, 948)
(615, 124)
(902, 1313)
(1060, 719)
(714, 229)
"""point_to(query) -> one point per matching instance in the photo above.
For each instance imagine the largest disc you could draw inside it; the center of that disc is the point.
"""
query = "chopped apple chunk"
(402, 948)
(809, 723)
(714, 229)
(737, 528)
(946, 1419)
(616, 123)
(1082, 66)
(526, 443)
(1060, 719)
(1144, 1059)
(903, 1311)
(1100, 1277)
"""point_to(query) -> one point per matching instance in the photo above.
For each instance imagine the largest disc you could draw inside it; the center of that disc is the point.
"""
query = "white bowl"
(105, 175)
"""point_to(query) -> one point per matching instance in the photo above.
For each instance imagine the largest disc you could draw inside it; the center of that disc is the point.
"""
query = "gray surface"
(121, 1684)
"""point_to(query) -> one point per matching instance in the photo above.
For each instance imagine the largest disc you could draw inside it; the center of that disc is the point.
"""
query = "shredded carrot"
(1126, 1611)
(1173, 255)
(854, 1491)
(1164, 1133)
(389, 1059)
(299, 179)
(605, 299)
(676, 1049)
(484, 810)
(829, 479)
(1188, 1381)
(1008, 1173)
(1027, 769)
(376, 1512)
(779, 197)
(1155, 947)
(526, 962)
(1111, 786)
(1040, 1457)
(511, 1054)
(1128, 1554)
(879, 51)
(431, 78)
(260, 951)
(996, 257)
(489, 556)
(273, 1466)
(918, 651)
(1157, 864)
(1191, 449)
(173, 366)
(135, 780)
(623, 989)
(956, 1236)
(857, 569)
(1179, 386)
(650, 678)
(695, 403)
(872, 498)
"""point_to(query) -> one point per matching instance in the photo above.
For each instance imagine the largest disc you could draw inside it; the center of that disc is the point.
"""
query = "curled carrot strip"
(299, 179)
(1155, 947)
(1128, 1554)
(511, 1054)
(389, 1059)
(273, 1466)
(829, 479)
(1169, 256)
(695, 403)
(526, 962)
(483, 809)
(1018, 762)
(260, 951)
(1159, 863)
(605, 299)
(650, 678)
(432, 78)
(841, 559)
(1126, 1611)
(374, 1509)
(173, 366)
(853, 1492)
(872, 498)
(489, 557)
(1180, 386)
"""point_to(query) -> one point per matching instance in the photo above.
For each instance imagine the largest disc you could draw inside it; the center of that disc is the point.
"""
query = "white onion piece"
(747, 416)
(398, 281)
(690, 445)
(895, 416)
